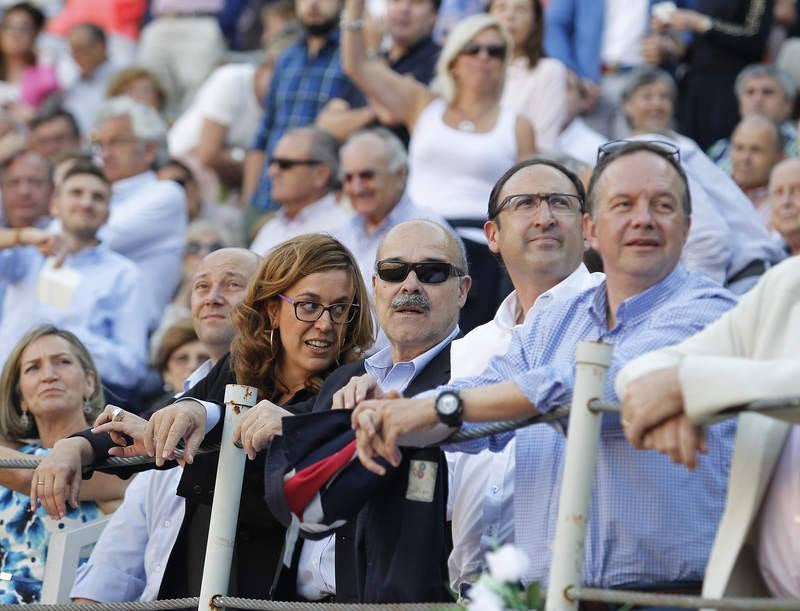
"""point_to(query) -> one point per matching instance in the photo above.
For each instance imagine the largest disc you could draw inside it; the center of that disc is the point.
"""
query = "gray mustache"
(413, 300)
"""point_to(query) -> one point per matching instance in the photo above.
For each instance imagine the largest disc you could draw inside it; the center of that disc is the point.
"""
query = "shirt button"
(495, 489)
(166, 523)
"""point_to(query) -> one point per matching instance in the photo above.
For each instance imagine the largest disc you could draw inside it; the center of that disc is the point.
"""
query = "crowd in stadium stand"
(395, 218)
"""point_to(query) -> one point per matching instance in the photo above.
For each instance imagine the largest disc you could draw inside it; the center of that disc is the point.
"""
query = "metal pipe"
(227, 493)
(592, 360)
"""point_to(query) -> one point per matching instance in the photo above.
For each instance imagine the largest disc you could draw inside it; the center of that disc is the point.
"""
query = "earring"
(87, 407)
(25, 420)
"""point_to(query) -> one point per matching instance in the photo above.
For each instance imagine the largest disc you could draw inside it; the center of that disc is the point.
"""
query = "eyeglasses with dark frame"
(288, 164)
(560, 204)
(665, 148)
(312, 311)
(494, 51)
(428, 272)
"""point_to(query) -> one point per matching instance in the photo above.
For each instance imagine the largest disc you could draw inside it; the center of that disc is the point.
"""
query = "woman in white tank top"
(461, 139)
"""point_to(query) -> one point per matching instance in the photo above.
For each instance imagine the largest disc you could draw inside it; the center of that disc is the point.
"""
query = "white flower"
(508, 563)
(482, 598)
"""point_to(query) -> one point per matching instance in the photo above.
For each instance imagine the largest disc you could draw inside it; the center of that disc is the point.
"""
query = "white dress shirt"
(580, 141)
(130, 557)
(148, 225)
(481, 491)
(83, 97)
(625, 24)
(323, 215)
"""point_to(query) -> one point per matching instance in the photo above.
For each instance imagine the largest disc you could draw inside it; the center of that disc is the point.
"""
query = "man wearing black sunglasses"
(420, 284)
(638, 216)
(303, 170)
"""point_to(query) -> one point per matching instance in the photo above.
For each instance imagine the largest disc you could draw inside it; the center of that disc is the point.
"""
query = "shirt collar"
(380, 364)
(125, 186)
(312, 209)
(639, 305)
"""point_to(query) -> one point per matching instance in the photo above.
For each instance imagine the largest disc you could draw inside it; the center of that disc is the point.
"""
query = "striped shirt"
(650, 520)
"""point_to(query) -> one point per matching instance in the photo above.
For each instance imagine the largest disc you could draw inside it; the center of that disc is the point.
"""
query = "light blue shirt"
(650, 521)
(104, 311)
(397, 376)
(364, 244)
(147, 224)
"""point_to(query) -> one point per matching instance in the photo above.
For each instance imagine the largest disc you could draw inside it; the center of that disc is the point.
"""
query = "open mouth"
(318, 345)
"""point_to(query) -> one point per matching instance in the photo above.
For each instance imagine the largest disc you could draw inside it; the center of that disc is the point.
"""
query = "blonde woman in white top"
(472, 129)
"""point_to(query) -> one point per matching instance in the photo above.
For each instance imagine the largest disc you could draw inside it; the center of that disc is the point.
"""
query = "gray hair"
(395, 151)
(759, 70)
(444, 84)
(641, 77)
(145, 121)
(324, 148)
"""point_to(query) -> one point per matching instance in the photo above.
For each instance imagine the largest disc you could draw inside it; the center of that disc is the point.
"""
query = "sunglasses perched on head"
(666, 149)
(288, 164)
(428, 272)
(493, 51)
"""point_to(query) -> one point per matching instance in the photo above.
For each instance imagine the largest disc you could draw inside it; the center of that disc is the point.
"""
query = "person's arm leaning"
(212, 152)
(402, 96)
(338, 118)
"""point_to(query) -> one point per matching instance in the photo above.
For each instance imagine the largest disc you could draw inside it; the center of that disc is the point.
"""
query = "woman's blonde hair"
(12, 426)
(444, 85)
(256, 351)
(121, 80)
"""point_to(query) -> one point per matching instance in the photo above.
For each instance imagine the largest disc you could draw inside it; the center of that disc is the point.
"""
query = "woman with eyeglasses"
(536, 86)
(24, 83)
(305, 312)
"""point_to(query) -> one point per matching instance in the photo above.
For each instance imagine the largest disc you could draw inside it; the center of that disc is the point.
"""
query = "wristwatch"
(449, 408)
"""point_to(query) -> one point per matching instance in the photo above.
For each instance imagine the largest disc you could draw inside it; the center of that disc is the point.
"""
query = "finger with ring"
(117, 415)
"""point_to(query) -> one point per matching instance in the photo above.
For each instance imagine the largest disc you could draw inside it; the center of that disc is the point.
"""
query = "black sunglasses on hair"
(665, 148)
(428, 272)
(493, 51)
(288, 164)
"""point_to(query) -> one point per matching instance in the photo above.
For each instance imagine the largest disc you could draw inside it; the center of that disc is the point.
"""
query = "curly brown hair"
(256, 351)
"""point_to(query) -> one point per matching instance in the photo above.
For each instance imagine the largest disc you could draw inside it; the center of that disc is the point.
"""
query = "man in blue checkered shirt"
(307, 75)
(651, 523)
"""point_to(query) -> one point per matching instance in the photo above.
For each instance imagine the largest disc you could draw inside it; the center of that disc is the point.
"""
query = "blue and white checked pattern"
(650, 521)
(301, 85)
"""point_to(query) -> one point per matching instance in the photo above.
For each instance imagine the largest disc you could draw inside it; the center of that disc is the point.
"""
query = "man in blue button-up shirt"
(95, 293)
(651, 524)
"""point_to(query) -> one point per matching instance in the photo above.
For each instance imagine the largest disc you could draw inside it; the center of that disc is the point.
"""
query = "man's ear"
(150, 152)
(54, 201)
(464, 284)
(323, 176)
(590, 230)
(490, 228)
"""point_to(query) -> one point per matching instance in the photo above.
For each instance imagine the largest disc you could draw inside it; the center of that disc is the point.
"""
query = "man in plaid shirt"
(307, 75)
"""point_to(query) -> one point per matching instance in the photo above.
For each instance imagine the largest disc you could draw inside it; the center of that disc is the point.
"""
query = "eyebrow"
(310, 295)
(49, 356)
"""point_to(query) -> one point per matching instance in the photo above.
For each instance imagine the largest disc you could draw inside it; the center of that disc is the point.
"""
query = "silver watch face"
(448, 404)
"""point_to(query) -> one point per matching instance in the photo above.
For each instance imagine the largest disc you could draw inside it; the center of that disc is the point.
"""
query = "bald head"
(219, 285)
(784, 194)
(756, 146)
(419, 310)
(405, 236)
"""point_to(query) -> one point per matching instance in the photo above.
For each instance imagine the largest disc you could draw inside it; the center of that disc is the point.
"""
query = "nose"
(48, 372)
(543, 216)
(214, 294)
(642, 215)
(325, 322)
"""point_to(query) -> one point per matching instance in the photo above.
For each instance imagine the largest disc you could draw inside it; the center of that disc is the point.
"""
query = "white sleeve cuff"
(213, 411)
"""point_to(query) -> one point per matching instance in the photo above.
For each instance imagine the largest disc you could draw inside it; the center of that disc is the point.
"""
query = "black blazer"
(396, 549)
(259, 537)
